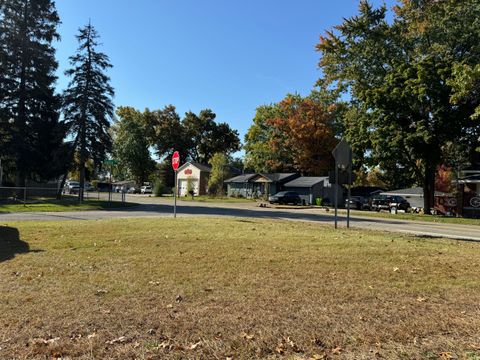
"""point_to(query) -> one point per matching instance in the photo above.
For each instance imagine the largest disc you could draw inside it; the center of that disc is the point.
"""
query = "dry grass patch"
(233, 288)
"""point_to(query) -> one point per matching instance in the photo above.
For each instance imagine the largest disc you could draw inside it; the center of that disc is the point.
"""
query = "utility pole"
(1, 173)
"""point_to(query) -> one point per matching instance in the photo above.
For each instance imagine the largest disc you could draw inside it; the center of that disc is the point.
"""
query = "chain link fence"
(32, 195)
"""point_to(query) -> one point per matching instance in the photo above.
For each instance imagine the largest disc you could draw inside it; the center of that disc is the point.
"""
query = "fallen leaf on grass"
(57, 355)
(289, 342)
(40, 341)
(395, 269)
(446, 356)
(318, 357)
(337, 350)
(169, 306)
(421, 299)
(92, 335)
(247, 336)
(194, 346)
(154, 283)
(121, 339)
(179, 298)
(101, 292)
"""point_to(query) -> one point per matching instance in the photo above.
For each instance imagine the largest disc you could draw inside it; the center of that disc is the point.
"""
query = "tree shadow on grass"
(10, 243)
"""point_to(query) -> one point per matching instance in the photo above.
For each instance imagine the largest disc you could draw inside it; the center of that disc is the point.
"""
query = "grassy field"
(62, 205)
(233, 289)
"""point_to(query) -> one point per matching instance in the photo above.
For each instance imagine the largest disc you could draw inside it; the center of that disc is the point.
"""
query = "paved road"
(152, 208)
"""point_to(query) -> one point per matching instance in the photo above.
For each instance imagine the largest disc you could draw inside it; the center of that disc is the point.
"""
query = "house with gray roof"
(258, 185)
(311, 188)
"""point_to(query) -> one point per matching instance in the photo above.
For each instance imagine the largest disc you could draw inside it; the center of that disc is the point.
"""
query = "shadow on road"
(247, 213)
(10, 243)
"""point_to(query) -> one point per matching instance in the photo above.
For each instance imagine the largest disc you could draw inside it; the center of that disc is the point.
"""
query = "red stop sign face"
(175, 160)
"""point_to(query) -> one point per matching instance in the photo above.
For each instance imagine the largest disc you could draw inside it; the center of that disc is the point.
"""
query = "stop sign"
(175, 160)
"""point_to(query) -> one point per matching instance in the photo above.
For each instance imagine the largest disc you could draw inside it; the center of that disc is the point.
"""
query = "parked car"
(133, 190)
(285, 197)
(358, 203)
(71, 187)
(146, 190)
(399, 203)
(387, 202)
(88, 187)
(74, 187)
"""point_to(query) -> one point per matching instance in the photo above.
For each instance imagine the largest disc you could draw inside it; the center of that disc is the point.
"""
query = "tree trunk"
(428, 188)
(62, 185)
(83, 159)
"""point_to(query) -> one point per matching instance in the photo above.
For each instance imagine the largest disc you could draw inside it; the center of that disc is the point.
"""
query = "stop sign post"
(175, 165)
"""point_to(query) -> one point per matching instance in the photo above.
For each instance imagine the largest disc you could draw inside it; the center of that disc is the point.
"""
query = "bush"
(158, 188)
(318, 201)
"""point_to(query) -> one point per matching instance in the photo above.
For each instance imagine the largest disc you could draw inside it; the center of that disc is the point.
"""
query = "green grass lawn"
(416, 217)
(197, 288)
(62, 205)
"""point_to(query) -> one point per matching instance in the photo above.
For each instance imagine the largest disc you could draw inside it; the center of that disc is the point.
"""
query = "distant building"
(311, 188)
(197, 174)
(258, 185)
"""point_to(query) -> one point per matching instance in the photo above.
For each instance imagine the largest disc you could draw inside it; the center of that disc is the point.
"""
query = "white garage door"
(182, 186)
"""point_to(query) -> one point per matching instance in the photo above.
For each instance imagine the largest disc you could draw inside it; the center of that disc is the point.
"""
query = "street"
(154, 207)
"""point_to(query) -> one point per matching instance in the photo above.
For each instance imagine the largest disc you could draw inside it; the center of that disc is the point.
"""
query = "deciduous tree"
(130, 145)
(401, 78)
(220, 172)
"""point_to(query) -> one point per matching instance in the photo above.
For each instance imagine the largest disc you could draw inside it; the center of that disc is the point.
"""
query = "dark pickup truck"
(387, 202)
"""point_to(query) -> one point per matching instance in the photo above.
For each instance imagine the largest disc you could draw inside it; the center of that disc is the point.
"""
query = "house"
(258, 185)
(239, 186)
(312, 187)
(413, 195)
(195, 173)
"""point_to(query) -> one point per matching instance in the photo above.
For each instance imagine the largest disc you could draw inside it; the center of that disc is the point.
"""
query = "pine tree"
(30, 131)
(87, 102)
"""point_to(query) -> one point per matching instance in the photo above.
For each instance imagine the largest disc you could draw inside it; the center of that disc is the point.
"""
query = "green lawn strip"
(218, 288)
(415, 217)
(63, 205)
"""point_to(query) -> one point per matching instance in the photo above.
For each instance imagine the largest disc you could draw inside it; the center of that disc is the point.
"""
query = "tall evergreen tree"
(87, 102)
(30, 131)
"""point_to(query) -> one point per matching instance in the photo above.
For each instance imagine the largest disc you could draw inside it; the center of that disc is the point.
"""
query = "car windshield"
(281, 193)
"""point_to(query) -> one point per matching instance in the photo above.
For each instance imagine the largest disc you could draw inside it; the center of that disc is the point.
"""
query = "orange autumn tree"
(304, 127)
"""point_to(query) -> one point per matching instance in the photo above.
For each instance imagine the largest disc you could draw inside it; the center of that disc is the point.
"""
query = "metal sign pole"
(349, 187)
(349, 194)
(175, 197)
(336, 194)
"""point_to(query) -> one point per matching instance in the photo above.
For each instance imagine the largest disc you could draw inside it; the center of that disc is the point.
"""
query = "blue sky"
(227, 55)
